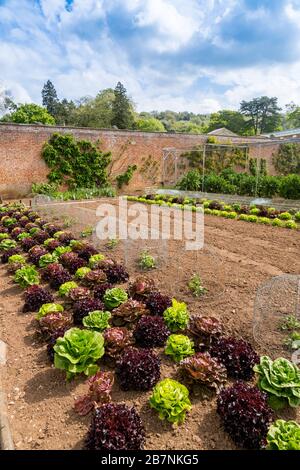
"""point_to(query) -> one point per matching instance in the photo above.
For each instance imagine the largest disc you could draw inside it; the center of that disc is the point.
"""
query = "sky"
(184, 55)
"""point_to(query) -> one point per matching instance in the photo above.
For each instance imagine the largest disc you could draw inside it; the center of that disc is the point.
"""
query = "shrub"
(290, 187)
(204, 370)
(157, 303)
(97, 320)
(116, 339)
(280, 379)
(151, 332)
(179, 347)
(35, 297)
(171, 400)
(27, 276)
(138, 369)
(114, 297)
(115, 427)
(245, 415)
(237, 355)
(176, 316)
(78, 351)
(99, 393)
(283, 435)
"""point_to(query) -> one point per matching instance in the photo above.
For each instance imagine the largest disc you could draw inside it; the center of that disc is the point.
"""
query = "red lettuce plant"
(115, 427)
(100, 289)
(138, 369)
(52, 322)
(116, 339)
(99, 393)
(23, 221)
(8, 253)
(28, 243)
(16, 232)
(151, 332)
(41, 236)
(202, 369)
(35, 253)
(204, 329)
(84, 250)
(51, 341)
(83, 307)
(35, 297)
(66, 237)
(237, 355)
(116, 273)
(72, 262)
(128, 312)
(79, 293)
(245, 415)
(141, 288)
(157, 303)
(51, 229)
(52, 244)
(60, 278)
(94, 277)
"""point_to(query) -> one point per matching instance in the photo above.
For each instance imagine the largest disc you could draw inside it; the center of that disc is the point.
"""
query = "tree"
(50, 99)
(287, 158)
(293, 115)
(232, 120)
(150, 125)
(29, 114)
(123, 117)
(262, 113)
(95, 112)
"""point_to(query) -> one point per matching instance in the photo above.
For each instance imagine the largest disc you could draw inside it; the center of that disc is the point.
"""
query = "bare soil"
(237, 259)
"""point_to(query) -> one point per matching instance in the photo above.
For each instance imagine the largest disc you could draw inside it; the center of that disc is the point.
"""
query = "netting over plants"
(276, 319)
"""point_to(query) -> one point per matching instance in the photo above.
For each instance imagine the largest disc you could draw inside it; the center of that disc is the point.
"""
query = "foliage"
(95, 259)
(138, 369)
(116, 339)
(7, 244)
(55, 321)
(290, 187)
(283, 435)
(78, 164)
(204, 330)
(124, 178)
(8, 253)
(35, 253)
(293, 341)
(176, 316)
(237, 355)
(263, 114)
(245, 414)
(203, 369)
(61, 276)
(141, 287)
(115, 427)
(99, 393)
(97, 320)
(16, 262)
(128, 312)
(179, 347)
(48, 308)
(146, 261)
(81, 272)
(150, 124)
(29, 113)
(78, 351)
(232, 120)
(65, 288)
(171, 399)
(35, 297)
(49, 258)
(287, 158)
(290, 323)
(195, 286)
(151, 332)
(116, 273)
(157, 303)
(122, 115)
(27, 276)
(280, 379)
(112, 243)
(83, 307)
(100, 289)
(80, 293)
(114, 297)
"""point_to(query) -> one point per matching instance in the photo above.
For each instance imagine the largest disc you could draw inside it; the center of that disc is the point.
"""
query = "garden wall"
(21, 163)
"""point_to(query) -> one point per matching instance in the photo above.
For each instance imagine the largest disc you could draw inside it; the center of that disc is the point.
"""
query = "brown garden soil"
(238, 257)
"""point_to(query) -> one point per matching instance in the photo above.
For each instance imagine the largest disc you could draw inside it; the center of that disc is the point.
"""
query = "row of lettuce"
(248, 213)
(89, 313)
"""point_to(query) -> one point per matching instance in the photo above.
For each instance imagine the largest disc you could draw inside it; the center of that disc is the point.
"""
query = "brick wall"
(21, 163)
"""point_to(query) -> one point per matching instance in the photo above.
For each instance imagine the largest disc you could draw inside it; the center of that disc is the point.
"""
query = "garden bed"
(41, 402)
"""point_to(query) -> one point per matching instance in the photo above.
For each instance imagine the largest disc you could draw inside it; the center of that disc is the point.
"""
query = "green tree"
(49, 97)
(232, 120)
(29, 114)
(293, 115)
(123, 117)
(263, 114)
(95, 112)
(287, 159)
(150, 125)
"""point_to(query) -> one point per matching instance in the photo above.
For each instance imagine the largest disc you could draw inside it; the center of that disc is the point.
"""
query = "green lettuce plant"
(47, 259)
(97, 320)
(49, 308)
(66, 287)
(81, 272)
(177, 316)
(280, 379)
(3, 236)
(114, 297)
(7, 244)
(171, 399)
(27, 276)
(22, 236)
(283, 435)
(78, 351)
(293, 341)
(179, 347)
(18, 259)
(95, 260)
(61, 250)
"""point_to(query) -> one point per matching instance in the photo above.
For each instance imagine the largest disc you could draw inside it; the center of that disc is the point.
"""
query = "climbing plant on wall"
(79, 164)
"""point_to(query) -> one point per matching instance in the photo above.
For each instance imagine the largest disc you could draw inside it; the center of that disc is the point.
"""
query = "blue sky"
(192, 55)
